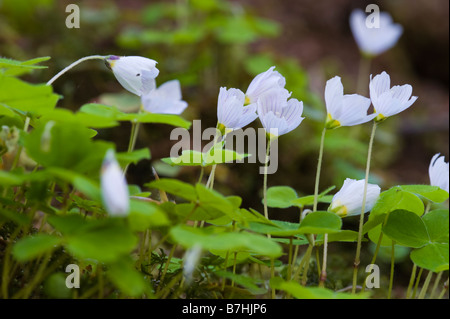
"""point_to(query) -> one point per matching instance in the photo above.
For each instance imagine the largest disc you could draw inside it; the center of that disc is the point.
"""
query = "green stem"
(305, 270)
(391, 277)
(91, 57)
(417, 283)
(372, 262)
(323, 274)
(132, 143)
(266, 161)
(444, 290)
(20, 149)
(411, 281)
(305, 258)
(289, 271)
(166, 266)
(210, 182)
(319, 166)
(363, 207)
(436, 284)
(425, 285)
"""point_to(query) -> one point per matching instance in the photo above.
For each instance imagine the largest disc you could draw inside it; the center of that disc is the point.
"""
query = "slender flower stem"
(166, 267)
(435, 285)
(319, 166)
(305, 259)
(289, 272)
(391, 277)
(266, 211)
(363, 209)
(91, 57)
(372, 262)
(417, 283)
(19, 150)
(425, 285)
(411, 281)
(444, 290)
(210, 182)
(323, 274)
(132, 143)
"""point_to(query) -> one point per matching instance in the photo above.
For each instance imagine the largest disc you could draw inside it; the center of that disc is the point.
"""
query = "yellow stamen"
(331, 123)
(247, 100)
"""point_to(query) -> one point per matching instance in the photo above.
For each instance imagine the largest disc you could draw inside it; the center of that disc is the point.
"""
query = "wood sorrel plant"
(64, 203)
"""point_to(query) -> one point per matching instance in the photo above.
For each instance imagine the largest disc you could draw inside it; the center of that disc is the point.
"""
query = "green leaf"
(67, 224)
(15, 216)
(48, 144)
(133, 157)
(406, 228)
(196, 158)
(187, 158)
(10, 179)
(432, 193)
(170, 119)
(209, 239)
(175, 187)
(251, 284)
(32, 98)
(102, 240)
(29, 248)
(15, 68)
(437, 223)
(320, 223)
(85, 119)
(281, 196)
(278, 228)
(124, 276)
(396, 198)
(300, 292)
(208, 198)
(144, 215)
(433, 256)
(81, 183)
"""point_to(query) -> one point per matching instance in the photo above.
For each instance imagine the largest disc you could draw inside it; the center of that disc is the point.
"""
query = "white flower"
(373, 40)
(264, 83)
(114, 187)
(279, 115)
(389, 101)
(439, 172)
(348, 200)
(191, 259)
(166, 99)
(344, 110)
(231, 112)
(136, 74)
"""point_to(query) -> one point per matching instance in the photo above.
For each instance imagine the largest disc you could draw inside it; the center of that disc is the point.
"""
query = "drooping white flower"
(191, 259)
(166, 99)
(439, 172)
(114, 187)
(136, 74)
(231, 112)
(389, 101)
(277, 114)
(348, 200)
(264, 83)
(344, 110)
(374, 39)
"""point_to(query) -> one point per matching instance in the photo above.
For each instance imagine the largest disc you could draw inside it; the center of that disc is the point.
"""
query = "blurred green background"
(207, 44)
